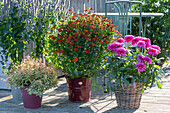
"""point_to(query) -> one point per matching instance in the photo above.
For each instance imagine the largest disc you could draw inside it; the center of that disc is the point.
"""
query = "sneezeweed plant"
(33, 73)
(78, 45)
(132, 60)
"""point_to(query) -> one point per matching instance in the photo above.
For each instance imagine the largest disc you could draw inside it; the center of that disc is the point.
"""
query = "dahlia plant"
(78, 46)
(132, 60)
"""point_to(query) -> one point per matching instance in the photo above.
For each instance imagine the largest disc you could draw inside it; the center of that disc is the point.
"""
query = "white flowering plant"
(132, 60)
(33, 73)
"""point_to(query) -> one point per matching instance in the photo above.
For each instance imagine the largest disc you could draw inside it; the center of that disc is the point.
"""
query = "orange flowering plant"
(77, 44)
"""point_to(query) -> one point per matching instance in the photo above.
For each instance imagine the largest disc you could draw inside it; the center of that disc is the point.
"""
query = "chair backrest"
(123, 7)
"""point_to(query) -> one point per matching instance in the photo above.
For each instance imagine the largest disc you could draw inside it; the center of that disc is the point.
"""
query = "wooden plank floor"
(56, 101)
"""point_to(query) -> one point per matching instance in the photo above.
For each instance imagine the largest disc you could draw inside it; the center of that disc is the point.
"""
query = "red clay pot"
(79, 90)
(30, 101)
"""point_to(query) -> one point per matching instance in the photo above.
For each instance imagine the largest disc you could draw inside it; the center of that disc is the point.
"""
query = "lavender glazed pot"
(30, 101)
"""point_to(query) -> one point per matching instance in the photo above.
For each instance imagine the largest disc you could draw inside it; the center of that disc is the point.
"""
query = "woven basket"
(128, 96)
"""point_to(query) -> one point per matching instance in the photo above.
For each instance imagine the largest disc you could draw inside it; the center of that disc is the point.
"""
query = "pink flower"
(136, 40)
(121, 51)
(141, 44)
(128, 38)
(155, 47)
(152, 51)
(112, 47)
(141, 59)
(147, 41)
(140, 66)
(120, 40)
(147, 59)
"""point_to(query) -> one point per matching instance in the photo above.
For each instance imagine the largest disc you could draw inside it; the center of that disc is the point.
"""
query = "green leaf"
(76, 73)
(159, 85)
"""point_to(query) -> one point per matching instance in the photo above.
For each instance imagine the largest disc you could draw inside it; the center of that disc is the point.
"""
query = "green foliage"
(13, 36)
(78, 46)
(33, 73)
(157, 28)
(47, 15)
(22, 21)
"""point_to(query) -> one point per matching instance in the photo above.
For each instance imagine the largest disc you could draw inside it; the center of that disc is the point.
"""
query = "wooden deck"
(56, 101)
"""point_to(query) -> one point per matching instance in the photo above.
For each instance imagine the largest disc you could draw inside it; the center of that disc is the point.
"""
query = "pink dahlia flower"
(141, 58)
(128, 38)
(136, 40)
(147, 41)
(155, 47)
(112, 47)
(147, 59)
(121, 51)
(120, 40)
(140, 66)
(152, 51)
(141, 44)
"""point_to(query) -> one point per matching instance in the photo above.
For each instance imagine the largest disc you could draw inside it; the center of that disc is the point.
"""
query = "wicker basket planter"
(128, 96)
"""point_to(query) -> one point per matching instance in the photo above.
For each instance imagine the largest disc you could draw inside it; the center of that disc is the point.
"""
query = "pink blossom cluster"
(117, 47)
(153, 50)
(142, 42)
(140, 65)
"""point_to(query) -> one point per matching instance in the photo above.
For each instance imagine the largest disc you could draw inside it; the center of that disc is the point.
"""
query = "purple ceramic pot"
(30, 101)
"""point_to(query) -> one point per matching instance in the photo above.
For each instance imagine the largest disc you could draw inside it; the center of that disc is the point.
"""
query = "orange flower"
(56, 51)
(93, 27)
(60, 51)
(101, 42)
(47, 32)
(88, 39)
(98, 51)
(106, 41)
(59, 30)
(91, 9)
(52, 37)
(87, 51)
(75, 39)
(102, 35)
(62, 25)
(46, 50)
(75, 49)
(78, 46)
(66, 53)
(67, 41)
(75, 59)
(105, 58)
(92, 44)
(59, 41)
(53, 27)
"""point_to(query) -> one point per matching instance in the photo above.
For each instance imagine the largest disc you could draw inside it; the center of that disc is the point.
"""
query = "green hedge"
(158, 28)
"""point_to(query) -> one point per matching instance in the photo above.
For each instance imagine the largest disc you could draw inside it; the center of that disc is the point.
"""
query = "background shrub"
(157, 28)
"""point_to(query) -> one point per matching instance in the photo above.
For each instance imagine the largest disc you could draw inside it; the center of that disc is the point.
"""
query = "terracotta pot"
(79, 90)
(30, 101)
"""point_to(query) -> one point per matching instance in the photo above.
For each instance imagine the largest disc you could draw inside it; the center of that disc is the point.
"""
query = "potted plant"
(77, 49)
(33, 78)
(131, 65)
